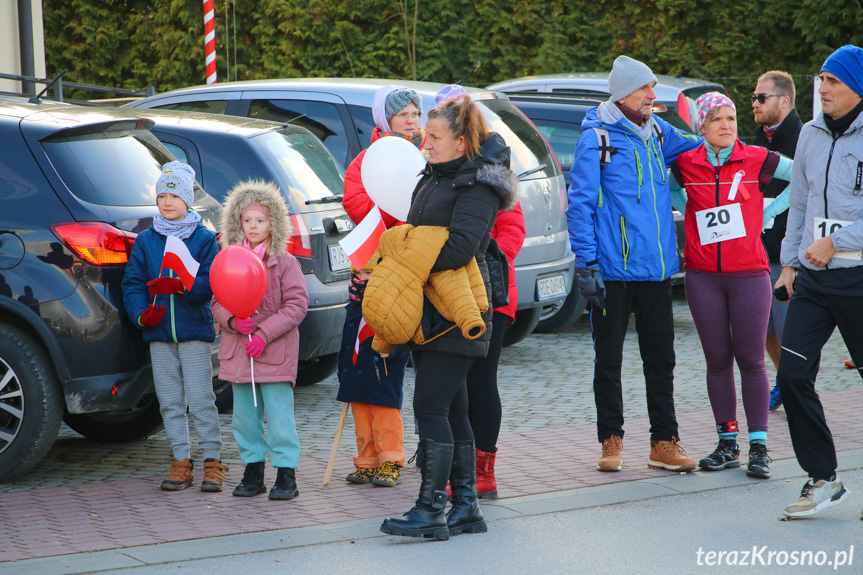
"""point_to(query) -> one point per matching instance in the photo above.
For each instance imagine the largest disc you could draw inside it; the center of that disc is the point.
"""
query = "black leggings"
(484, 409)
(440, 396)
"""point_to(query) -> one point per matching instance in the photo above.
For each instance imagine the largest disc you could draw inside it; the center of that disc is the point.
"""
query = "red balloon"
(239, 280)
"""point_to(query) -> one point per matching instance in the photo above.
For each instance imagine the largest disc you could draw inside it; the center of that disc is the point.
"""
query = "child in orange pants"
(372, 384)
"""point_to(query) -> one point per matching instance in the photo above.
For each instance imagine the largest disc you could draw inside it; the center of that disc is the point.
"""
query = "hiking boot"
(612, 458)
(214, 475)
(389, 475)
(669, 455)
(758, 461)
(726, 454)
(286, 484)
(817, 496)
(486, 484)
(180, 476)
(361, 475)
(775, 398)
(253, 481)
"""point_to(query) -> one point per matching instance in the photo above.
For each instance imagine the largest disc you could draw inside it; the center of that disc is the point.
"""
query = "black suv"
(76, 186)
(224, 150)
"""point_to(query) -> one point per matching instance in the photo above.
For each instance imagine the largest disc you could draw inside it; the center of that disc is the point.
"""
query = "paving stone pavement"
(88, 496)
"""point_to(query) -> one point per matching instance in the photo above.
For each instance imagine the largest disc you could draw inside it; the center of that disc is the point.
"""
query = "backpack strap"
(657, 132)
(606, 150)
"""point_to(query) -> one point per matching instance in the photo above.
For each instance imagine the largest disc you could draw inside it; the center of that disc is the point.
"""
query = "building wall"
(10, 52)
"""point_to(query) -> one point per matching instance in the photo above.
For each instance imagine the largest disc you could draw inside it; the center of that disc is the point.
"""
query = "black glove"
(591, 286)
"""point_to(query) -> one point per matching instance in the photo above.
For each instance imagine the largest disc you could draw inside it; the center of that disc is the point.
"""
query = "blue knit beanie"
(846, 63)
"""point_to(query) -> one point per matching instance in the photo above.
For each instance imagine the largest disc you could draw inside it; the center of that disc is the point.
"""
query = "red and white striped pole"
(210, 40)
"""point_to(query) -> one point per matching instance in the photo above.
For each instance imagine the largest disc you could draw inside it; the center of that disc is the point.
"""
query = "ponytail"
(463, 118)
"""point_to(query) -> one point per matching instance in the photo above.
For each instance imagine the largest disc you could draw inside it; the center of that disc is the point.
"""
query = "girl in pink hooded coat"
(255, 215)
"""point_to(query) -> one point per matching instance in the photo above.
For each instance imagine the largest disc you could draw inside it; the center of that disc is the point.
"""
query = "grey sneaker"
(815, 497)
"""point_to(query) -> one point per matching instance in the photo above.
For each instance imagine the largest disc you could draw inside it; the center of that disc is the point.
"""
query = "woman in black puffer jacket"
(462, 188)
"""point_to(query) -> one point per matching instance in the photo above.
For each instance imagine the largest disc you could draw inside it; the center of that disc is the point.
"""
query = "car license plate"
(339, 261)
(550, 288)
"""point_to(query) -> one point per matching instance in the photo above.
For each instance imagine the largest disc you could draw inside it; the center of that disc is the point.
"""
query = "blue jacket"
(619, 216)
(187, 316)
(367, 381)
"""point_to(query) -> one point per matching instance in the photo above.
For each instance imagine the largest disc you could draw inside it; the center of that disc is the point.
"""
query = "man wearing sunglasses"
(822, 248)
(778, 128)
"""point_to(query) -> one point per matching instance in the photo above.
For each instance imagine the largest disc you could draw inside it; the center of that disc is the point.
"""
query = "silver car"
(675, 97)
(338, 111)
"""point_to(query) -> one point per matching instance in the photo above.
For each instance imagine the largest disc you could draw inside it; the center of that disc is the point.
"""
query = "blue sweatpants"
(276, 400)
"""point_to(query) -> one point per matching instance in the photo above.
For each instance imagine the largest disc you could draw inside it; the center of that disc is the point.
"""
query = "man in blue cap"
(822, 250)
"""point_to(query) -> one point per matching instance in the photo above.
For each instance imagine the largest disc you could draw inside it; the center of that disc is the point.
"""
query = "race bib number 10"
(720, 224)
(824, 228)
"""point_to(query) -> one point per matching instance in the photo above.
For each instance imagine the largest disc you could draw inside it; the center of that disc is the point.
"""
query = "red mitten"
(152, 316)
(245, 326)
(255, 347)
(165, 286)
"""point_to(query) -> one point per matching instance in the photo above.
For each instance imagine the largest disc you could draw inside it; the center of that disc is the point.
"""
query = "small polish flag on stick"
(178, 258)
(363, 334)
(361, 243)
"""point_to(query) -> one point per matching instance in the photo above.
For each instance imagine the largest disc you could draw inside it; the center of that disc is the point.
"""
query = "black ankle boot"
(427, 518)
(465, 514)
(286, 485)
(252, 482)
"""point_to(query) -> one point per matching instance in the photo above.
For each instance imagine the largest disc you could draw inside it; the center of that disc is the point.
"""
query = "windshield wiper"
(325, 200)
(539, 168)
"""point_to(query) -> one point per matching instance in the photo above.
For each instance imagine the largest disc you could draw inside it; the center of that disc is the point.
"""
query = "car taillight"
(97, 243)
(300, 243)
(683, 110)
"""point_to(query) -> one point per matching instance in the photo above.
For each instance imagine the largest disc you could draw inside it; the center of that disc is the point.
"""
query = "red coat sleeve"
(509, 233)
(356, 200)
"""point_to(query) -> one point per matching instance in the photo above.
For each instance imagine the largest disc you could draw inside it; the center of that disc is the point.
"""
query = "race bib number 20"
(825, 228)
(720, 224)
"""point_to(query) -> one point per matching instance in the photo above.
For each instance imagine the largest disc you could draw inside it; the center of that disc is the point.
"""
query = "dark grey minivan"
(338, 111)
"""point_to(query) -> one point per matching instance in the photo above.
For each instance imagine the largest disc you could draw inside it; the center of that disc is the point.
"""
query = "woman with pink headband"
(727, 273)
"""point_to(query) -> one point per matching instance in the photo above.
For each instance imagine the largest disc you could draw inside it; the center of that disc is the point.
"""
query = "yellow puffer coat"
(393, 300)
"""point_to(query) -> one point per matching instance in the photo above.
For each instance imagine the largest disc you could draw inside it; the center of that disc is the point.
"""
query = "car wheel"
(524, 324)
(127, 425)
(316, 369)
(30, 403)
(562, 315)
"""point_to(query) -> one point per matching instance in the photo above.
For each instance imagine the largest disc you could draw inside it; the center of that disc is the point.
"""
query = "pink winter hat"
(710, 101)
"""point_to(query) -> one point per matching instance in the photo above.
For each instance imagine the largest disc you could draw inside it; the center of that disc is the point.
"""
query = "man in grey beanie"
(622, 233)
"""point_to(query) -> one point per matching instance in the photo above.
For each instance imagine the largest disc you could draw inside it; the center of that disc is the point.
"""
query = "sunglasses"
(761, 98)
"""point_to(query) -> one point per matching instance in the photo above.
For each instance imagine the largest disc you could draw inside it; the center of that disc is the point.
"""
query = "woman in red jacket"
(484, 407)
(728, 276)
(397, 112)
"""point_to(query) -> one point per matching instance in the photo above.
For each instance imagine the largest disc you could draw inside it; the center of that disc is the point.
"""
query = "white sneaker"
(815, 497)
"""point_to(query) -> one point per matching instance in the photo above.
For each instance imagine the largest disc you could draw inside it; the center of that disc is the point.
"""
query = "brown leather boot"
(669, 455)
(214, 475)
(180, 476)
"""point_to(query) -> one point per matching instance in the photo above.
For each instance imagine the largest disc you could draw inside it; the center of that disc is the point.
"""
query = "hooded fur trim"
(503, 181)
(256, 191)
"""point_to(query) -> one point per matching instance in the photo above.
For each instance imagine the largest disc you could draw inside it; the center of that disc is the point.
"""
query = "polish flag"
(363, 334)
(178, 258)
(361, 243)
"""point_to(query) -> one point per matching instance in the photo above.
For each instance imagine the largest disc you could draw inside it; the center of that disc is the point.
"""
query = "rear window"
(563, 136)
(531, 156)
(110, 168)
(308, 168)
(207, 106)
(320, 118)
